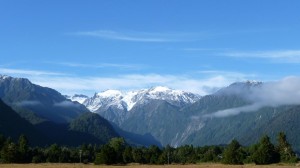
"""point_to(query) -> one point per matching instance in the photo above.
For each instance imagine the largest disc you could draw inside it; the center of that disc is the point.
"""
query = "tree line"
(117, 151)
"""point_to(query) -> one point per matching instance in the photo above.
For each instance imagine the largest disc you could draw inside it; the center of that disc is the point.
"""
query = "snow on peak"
(159, 89)
(109, 93)
(127, 100)
(3, 77)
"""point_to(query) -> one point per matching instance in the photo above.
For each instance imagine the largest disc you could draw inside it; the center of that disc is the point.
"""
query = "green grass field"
(206, 165)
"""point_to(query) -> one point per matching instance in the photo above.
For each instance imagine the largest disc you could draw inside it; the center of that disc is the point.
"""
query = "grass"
(204, 165)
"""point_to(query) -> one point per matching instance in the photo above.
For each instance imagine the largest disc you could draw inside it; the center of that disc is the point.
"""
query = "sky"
(88, 46)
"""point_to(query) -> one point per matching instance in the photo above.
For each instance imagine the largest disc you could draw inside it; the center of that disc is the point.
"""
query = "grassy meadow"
(205, 165)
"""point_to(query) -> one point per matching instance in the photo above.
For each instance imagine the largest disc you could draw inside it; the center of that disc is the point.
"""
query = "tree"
(23, 149)
(9, 152)
(154, 152)
(105, 156)
(185, 154)
(209, 153)
(38, 155)
(53, 153)
(127, 155)
(166, 156)
(2, 141)
(137, 155)
(284, 149)
(118, 145)
(265, 153)
(233, 154)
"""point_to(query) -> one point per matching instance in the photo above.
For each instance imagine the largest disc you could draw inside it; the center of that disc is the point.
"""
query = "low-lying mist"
(269, 94)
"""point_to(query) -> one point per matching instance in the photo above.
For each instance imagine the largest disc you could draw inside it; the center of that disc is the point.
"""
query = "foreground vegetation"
(118, 152)
(202, 165)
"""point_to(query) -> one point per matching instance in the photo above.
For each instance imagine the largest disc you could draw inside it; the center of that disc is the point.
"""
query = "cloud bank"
(67, 104)
(28, 103)
(271, 94)
(132, 82)
(201, 82)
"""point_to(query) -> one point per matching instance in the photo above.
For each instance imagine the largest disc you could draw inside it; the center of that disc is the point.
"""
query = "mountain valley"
(156, 116)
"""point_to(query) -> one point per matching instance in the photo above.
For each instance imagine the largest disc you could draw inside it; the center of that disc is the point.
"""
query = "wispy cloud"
(67, 104)
(270, 94)
(71, 85)
(101, 65)
(205, 49)
(10, 71)
(28, 103)
(286, 56)
(229, 74)
(138, 36)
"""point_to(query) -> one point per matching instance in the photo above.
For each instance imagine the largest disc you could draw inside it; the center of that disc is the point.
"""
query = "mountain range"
(177, 117)
(158, 115)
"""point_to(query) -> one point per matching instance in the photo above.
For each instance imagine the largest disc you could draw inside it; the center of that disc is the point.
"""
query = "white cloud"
(134, 36)
(28, 103)
(27, 72)
(71, 85)
(205, 49)
(270, 94)
(67, 104)
(287, 56)
(100, 65)
(206, 83)
(229, 74)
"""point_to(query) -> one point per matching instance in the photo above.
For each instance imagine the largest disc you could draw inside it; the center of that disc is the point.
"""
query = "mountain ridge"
(45, 103)
(127, 100)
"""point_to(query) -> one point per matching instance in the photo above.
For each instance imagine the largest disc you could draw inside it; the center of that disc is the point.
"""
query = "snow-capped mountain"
(77, 97)
(127, 100)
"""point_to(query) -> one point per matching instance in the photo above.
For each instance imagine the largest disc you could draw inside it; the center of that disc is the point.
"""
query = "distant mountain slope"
(88, 128)
(286, 119)
(158, 115)
(139, 112)
(246, 127)
(173, 124)
(12, 125)
(93, 124)
(32, 100)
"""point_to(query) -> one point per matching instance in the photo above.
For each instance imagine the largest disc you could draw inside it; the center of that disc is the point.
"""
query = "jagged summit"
(253, 82)
(159, 89)
(109, 93)
(127, 100)
(80, 98)
(4, 77)
(240, 88)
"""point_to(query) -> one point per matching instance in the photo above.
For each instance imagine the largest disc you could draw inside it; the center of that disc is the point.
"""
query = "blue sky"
(78, 46)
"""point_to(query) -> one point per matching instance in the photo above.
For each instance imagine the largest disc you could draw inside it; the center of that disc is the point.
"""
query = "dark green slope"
(62, 135)
(137, 139)
(12, 125)
(88, 129)
(223, 130)
(212, 103)
(93, 124)
(34, 102)
(217, 130)
(287, 120)
(248, 127)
